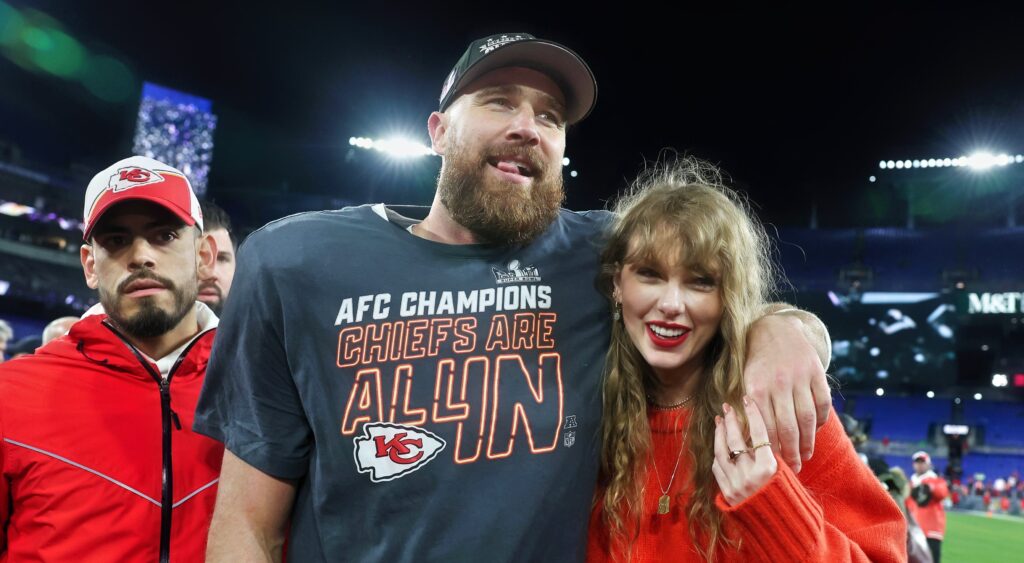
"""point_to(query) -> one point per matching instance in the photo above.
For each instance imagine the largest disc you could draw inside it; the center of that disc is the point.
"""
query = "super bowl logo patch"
(495, 42)
(516, 273)
(389, 451)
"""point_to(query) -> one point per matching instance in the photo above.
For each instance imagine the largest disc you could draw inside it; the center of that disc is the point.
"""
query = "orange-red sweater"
(835, 510)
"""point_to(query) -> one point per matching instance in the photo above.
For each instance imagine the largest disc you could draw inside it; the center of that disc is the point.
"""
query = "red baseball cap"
(140, 178)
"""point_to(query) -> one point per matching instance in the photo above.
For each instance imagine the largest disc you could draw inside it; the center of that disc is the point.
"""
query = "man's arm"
(251, 515)
(787, 353)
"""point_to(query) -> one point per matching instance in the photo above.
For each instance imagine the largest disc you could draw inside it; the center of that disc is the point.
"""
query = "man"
(410, 389)
(58, 327)
(214, 289)
(925, 502)
(96, 451)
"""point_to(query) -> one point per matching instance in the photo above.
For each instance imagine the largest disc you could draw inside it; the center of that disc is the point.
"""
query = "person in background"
(927, 490)
(58, 327)
(214, 289)
(24, 347)
(6, 334)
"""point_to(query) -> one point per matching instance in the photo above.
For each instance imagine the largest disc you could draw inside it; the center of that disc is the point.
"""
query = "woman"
(687, 471)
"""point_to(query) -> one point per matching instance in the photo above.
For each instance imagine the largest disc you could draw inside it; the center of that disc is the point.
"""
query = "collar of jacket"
(94, 340)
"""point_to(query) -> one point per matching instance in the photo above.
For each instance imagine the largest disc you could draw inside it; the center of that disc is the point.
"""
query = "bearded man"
(394, 387)
(97, 455)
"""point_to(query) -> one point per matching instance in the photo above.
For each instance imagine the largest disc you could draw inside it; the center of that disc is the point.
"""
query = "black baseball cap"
(560, 63)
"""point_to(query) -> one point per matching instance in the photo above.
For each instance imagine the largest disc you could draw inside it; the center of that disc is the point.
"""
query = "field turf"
(976, 538)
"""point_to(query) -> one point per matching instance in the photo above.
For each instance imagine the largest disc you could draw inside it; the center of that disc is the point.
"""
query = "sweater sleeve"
(836, 510)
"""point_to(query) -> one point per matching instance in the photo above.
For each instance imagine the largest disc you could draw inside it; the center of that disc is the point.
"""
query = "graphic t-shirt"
(435, 402)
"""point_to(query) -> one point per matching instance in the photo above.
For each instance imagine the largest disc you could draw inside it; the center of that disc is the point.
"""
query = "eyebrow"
(120, 229)
(515, 89)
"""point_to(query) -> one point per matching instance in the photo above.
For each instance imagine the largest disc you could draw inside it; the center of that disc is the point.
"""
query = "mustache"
(213, 286)
(145, 274)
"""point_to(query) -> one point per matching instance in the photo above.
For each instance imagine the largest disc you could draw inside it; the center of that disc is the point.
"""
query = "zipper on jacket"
(167, 490)
(167, 418)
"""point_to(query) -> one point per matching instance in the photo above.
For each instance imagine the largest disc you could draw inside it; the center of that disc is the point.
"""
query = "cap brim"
(560, 63)
(105, 206)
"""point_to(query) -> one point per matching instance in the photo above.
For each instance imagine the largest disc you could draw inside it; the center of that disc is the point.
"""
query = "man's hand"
(785, 375)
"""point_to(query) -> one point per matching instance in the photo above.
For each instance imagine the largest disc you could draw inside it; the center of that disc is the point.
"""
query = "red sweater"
(835, 510)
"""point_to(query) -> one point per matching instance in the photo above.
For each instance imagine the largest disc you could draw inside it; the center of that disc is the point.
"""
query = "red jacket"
(931, 517)
(98, 459)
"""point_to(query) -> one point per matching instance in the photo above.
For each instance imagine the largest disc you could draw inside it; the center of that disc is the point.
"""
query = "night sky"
(798, 104)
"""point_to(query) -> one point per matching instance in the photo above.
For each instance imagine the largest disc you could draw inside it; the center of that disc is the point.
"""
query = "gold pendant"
(663, 504)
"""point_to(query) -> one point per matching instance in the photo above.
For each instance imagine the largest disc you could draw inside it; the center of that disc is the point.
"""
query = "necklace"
(664, 499)
(678, 405)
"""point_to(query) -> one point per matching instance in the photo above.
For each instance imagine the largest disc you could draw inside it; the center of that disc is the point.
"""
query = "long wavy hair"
(683, 207)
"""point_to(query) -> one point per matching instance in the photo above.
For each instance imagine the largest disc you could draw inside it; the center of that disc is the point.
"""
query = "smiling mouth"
(667, 336)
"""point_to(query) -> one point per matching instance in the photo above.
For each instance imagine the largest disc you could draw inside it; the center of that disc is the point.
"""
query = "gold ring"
(734, 454)
(761, 445)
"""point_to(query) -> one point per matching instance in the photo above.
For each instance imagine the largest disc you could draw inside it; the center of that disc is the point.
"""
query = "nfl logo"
(570, 439)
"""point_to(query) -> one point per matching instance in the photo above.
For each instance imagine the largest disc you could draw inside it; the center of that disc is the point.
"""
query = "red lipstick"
(667, 342)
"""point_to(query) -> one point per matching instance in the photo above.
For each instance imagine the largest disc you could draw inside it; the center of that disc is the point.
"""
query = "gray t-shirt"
(435, 402)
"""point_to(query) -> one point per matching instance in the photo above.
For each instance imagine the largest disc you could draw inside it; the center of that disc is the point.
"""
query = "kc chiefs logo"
(132, 177)
(389, 451)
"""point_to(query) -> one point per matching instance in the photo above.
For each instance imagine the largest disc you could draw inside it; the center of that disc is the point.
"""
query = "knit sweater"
(834, 510)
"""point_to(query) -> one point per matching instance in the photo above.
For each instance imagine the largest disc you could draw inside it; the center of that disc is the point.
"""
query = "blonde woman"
(687, 469)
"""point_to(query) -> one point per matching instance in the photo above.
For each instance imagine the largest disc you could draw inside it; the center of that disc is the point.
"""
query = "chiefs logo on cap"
(132, 177)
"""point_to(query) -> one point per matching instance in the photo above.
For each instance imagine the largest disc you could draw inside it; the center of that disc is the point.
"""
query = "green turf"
(972, 538)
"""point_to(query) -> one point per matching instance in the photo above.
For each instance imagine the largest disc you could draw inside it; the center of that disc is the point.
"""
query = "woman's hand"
(742, 474)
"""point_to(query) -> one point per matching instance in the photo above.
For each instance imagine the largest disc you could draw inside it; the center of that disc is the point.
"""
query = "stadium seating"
(1003, 422)
(904, 419)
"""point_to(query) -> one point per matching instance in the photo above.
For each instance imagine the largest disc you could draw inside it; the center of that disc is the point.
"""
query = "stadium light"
(1000, 380)
(977, 396)
(399, 148)
(879, 391)
(930, 394)
(979, 161)
(565, 161)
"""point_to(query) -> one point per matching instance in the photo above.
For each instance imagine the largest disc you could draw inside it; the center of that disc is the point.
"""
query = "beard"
(217, 305)
(496, 211)
(150, 320)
